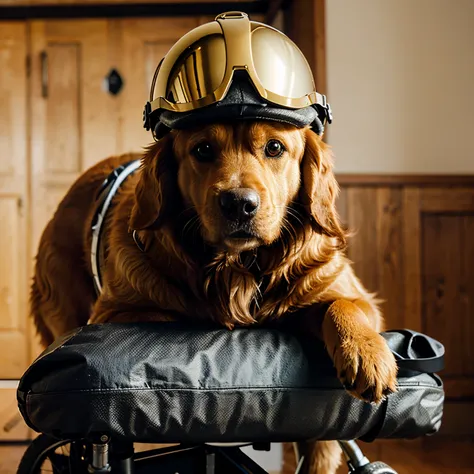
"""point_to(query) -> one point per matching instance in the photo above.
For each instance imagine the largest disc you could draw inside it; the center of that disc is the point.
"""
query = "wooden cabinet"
(70, 112)
(14, 200)
(442, 249)
(413, 243)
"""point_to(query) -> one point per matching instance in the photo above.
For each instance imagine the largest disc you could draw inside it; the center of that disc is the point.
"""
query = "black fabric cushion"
(162, 382)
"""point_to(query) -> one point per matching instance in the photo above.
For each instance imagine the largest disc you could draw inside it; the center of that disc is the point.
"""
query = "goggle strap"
(324, 104)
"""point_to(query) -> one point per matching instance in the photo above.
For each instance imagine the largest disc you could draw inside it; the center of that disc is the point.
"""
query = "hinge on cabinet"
(28, 65)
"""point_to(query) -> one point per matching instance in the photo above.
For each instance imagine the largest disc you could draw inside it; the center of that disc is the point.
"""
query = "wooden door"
(13, 200)
(71, 125)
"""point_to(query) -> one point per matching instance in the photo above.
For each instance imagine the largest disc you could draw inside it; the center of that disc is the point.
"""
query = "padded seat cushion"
(163, 382)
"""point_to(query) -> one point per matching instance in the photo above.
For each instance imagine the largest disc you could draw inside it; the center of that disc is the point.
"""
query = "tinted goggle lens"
(198, 72)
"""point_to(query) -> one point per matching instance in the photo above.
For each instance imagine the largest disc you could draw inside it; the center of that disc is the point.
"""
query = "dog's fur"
(291, 269)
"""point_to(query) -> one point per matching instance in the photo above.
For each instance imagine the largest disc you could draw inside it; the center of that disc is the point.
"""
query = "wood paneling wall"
(14, 200)
(413, 244)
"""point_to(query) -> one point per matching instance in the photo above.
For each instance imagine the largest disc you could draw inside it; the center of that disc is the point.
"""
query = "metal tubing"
(123, 456)
(355, 457)
(211, 463)
(126, 466)
(100, 458)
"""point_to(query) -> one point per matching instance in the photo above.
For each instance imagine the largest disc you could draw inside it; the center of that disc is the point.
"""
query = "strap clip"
(146, 117)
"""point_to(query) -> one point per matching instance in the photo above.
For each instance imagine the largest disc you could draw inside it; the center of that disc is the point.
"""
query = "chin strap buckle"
(327, 109)
(146, 117)
(328, 113)
(324, 108)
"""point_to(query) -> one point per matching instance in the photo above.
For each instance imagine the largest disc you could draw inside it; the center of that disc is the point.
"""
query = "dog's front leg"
(361, 357)
(364, 363)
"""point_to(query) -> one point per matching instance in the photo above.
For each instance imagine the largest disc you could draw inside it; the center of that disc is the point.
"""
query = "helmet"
(233, 68)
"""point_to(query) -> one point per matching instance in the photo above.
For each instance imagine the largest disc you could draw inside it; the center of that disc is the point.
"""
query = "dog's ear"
(319, 188)
(156, 193)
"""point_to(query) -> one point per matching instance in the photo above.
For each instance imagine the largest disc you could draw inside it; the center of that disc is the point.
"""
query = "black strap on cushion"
(415, 351)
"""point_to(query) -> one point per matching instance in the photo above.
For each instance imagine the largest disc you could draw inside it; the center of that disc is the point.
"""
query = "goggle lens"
(199, 71)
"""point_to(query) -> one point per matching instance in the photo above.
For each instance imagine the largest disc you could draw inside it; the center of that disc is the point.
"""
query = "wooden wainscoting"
(413, 244)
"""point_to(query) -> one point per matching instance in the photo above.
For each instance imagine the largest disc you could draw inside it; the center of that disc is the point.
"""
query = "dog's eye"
(203, 152)
(274, 149)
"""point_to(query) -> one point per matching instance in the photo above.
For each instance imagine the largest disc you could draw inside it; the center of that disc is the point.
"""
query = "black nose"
(239, 204)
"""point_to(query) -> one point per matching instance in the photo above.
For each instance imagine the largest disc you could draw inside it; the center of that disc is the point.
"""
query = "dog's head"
(239, 184)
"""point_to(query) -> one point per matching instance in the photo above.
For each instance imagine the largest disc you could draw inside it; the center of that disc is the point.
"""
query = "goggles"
(199, 69)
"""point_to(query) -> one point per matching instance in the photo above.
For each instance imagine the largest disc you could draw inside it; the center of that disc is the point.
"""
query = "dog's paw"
(366, 366)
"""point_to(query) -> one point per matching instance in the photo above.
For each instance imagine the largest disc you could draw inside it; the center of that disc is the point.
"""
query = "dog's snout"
(239, 204)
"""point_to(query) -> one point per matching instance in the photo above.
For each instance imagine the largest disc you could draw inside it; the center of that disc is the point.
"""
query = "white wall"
(401, 85)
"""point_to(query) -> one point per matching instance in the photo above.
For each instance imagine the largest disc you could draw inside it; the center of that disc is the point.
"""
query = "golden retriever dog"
(234, 223)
